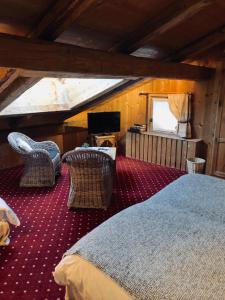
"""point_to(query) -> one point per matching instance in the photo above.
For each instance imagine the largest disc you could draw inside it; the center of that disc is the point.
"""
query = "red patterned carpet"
(48, 228)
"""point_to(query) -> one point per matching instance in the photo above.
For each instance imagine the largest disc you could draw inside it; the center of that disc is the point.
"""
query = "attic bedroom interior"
(112, 149)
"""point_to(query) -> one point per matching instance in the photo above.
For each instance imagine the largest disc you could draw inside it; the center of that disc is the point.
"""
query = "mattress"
(171, 246)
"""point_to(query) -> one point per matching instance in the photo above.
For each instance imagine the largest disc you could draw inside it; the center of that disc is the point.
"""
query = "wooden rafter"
(171, 17)
(16, 88)
(59, 17)
(39, 59)
(191, 51)
(203, 44)
(65, 12)
(9, 75)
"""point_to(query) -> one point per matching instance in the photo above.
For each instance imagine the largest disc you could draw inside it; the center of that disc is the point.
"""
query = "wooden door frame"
(217, 127)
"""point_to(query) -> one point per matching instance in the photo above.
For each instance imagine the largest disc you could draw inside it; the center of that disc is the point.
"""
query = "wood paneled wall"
(163, 150)
(133, 106)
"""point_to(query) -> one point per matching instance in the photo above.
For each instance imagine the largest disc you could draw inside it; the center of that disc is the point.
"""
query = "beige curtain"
(180, 106)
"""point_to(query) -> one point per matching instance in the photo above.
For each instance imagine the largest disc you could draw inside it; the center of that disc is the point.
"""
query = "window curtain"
(180, 106)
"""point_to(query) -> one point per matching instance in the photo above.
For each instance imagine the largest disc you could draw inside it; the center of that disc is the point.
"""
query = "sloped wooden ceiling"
(162, 30)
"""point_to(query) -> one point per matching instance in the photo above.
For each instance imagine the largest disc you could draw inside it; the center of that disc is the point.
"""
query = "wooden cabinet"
(165, 150)
(105, 140)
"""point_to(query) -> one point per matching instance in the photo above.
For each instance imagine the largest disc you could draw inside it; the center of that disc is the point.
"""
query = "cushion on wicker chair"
(52, 153)
(23, 145)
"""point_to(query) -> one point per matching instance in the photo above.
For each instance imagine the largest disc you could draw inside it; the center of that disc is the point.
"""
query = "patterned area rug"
(48, 228)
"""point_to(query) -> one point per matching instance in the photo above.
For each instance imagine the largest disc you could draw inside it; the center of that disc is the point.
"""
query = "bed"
(172, 246)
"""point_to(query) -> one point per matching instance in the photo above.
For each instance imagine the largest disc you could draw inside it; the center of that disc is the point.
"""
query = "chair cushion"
(23, 145)
(52, 153)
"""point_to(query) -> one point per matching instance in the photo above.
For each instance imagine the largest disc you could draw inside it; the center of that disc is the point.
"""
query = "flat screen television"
(104, 122)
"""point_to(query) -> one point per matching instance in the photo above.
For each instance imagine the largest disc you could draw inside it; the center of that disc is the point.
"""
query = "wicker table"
(111, 151)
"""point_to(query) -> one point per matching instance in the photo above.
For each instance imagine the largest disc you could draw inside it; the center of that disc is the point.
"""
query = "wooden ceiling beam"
(61, 60)
(191, 51)
(172, 16)
(15, 89)
(201, 45)
(61, 16)
(65, 12)
(8, 78)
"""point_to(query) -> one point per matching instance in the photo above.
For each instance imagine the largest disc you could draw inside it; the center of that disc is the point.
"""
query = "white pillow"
(23, 145)
(7, 214)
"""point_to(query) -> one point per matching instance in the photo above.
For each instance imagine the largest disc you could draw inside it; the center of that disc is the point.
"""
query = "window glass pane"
(163, 119)
(58, 94)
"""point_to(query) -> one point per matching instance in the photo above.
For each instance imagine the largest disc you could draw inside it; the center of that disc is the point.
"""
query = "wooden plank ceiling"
(162, 31)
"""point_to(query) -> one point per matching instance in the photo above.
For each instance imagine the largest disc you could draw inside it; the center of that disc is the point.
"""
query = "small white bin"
(195, 165)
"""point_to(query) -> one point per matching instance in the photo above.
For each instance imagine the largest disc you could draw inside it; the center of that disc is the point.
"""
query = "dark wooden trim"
(29, 120)
(57, 128)
(34, 131)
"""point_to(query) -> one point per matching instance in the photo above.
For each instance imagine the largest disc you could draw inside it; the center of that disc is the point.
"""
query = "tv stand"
(105, 140)
(105, 134)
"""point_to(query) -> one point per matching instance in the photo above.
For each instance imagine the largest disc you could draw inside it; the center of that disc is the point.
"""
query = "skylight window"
(53, 94)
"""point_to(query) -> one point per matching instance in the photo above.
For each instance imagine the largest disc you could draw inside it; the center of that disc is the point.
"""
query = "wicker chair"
(91, 178)
(41, 160)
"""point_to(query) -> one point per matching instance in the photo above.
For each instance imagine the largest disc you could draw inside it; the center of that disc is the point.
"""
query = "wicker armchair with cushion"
(91, 178)
(41, 160)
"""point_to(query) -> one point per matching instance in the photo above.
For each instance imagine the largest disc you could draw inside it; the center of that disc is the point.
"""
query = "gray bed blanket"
(171, 246)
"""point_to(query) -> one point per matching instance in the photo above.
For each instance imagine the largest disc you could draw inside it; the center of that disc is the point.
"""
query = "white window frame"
(163, 97)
